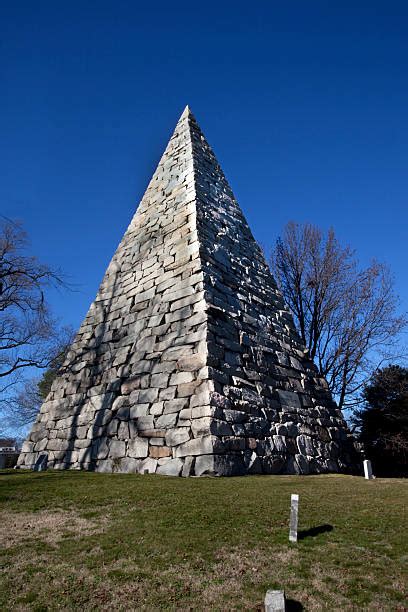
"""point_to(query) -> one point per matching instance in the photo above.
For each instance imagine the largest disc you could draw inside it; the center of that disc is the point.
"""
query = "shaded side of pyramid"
(271, 411)
(188, 361)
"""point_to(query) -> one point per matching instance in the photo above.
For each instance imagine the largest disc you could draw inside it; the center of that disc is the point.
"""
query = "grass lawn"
(77, 540)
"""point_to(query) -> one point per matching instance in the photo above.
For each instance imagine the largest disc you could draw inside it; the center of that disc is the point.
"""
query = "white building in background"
(8, 445)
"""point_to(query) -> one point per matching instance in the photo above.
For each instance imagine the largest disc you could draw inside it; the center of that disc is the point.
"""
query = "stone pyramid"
(188, 362)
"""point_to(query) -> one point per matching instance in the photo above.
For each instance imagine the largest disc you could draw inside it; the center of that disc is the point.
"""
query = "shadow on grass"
(293, 606)
(314, 531)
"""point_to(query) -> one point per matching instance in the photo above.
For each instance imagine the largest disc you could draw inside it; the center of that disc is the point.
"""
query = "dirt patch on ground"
(51, 527)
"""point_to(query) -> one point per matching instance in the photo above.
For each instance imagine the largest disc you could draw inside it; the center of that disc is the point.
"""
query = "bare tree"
(21, 407)
(346, 316)
(19, 410)
(27, 330)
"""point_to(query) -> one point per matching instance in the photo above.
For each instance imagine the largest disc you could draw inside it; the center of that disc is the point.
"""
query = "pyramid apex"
(186, 112)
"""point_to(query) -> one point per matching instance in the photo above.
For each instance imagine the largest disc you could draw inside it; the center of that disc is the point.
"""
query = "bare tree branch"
(346, 316)
(28, 331)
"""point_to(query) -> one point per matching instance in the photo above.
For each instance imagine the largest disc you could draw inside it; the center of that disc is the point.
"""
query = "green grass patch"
(71, 540)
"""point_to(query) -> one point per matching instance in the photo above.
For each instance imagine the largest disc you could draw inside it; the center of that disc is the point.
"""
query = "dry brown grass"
(206, 587)
(48, 526)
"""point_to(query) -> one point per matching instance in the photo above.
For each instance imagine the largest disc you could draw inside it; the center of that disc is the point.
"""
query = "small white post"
(294, 508)
(275, 601)
(368, 470)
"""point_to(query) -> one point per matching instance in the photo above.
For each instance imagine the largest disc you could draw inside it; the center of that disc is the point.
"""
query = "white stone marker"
(275, 601)
(368, 470)
(294, 506)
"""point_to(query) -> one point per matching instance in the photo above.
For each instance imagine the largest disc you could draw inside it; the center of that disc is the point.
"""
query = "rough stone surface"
(188, 362)
(172, 467)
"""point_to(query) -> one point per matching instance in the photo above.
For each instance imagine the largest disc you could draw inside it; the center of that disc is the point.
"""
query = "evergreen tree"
(383, 421)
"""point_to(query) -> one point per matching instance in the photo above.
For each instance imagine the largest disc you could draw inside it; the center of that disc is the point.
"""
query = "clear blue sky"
(304, 103)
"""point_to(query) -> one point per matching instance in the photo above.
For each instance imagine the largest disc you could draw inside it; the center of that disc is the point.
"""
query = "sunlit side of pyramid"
(188, 362)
